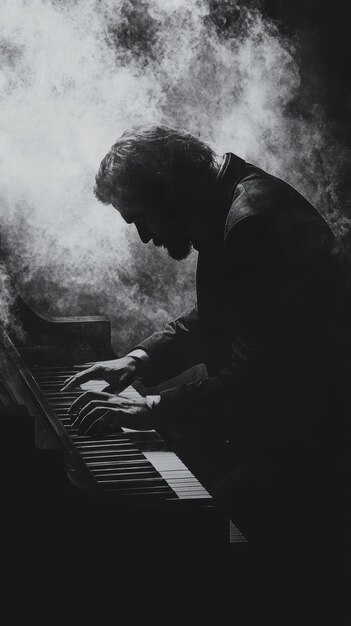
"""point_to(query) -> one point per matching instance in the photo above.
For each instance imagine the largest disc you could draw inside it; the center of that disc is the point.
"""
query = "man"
(264, 430)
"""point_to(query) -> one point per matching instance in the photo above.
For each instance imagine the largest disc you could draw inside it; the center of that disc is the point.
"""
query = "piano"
(129, 467)
(85, 490)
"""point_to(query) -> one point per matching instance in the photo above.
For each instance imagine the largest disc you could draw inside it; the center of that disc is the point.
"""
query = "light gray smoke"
(74, 75)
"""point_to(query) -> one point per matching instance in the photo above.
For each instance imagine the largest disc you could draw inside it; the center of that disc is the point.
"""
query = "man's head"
(159, 179)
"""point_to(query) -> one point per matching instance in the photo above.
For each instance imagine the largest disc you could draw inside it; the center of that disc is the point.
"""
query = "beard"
(178, 247)
(179, 250)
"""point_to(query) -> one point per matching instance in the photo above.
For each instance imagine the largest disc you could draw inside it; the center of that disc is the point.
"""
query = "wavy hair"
(145, 158)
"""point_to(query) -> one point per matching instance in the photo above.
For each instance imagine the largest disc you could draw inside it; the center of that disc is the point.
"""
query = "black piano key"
(112, 457)
(128, 479)
(50, 396)
(97, 442)
(128, 463)
(106, 446)
(62, 407)
(134, 490)
(55, 368)
(105, 437)
(124, 472)
(55, 380)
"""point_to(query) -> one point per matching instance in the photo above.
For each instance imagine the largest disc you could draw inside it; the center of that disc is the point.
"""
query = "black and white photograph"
(175, 310)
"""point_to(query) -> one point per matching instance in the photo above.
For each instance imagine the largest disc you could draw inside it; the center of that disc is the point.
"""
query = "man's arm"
(250, 270)
(172, 350)
(158, 358)
(161, 356)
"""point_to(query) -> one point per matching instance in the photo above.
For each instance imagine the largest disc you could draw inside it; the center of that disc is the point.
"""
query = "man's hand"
(118, 373)
(101, 411)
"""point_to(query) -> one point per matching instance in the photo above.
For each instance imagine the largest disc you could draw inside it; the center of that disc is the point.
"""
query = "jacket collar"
(228, 177)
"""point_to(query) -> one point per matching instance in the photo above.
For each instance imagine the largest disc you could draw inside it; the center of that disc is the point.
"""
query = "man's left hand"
(101, 411)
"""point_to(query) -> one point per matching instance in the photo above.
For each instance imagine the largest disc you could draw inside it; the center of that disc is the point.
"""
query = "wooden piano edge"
(60, 331)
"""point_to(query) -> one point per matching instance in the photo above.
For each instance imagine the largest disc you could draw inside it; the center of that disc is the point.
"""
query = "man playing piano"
(265, 430)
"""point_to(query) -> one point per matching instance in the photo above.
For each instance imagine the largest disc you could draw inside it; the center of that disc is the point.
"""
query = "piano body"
(119, 503)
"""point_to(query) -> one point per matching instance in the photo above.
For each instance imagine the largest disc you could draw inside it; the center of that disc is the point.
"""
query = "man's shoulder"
(262, 195)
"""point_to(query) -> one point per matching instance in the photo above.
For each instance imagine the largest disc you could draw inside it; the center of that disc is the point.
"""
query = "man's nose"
(143, 232)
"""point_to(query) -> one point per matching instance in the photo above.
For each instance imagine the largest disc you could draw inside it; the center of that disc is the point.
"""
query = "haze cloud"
(73, 76)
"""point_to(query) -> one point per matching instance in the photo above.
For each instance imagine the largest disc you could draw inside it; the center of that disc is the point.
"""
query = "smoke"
(6, 297)
(74, 75)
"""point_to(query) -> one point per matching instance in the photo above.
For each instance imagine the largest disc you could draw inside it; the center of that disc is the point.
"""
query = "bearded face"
(161, 225)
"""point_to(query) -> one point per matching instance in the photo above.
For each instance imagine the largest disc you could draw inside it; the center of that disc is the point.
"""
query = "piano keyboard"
(128, 465)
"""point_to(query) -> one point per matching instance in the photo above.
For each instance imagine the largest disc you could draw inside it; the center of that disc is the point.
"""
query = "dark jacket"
(272, 320)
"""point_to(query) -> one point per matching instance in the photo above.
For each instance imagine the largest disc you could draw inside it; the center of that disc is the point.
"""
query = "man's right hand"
(118, 373)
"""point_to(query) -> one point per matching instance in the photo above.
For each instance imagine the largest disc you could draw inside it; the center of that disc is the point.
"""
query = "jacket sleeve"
(174, 349)
(216, 394)
(282, 295)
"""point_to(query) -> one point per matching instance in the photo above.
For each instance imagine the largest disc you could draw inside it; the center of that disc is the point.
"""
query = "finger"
(90, 419)
(67, 382)
(79, 402)
(82, 377)
(128, 418)
(102, 423)
(92, 403)
(87, 409)
(87, 397)
(79, 416)
(96, 423)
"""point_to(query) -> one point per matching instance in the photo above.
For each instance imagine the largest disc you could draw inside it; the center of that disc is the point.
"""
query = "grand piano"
(91, 516)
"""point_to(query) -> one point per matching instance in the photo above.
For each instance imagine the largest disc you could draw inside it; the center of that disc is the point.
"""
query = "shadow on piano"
(95, 518)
